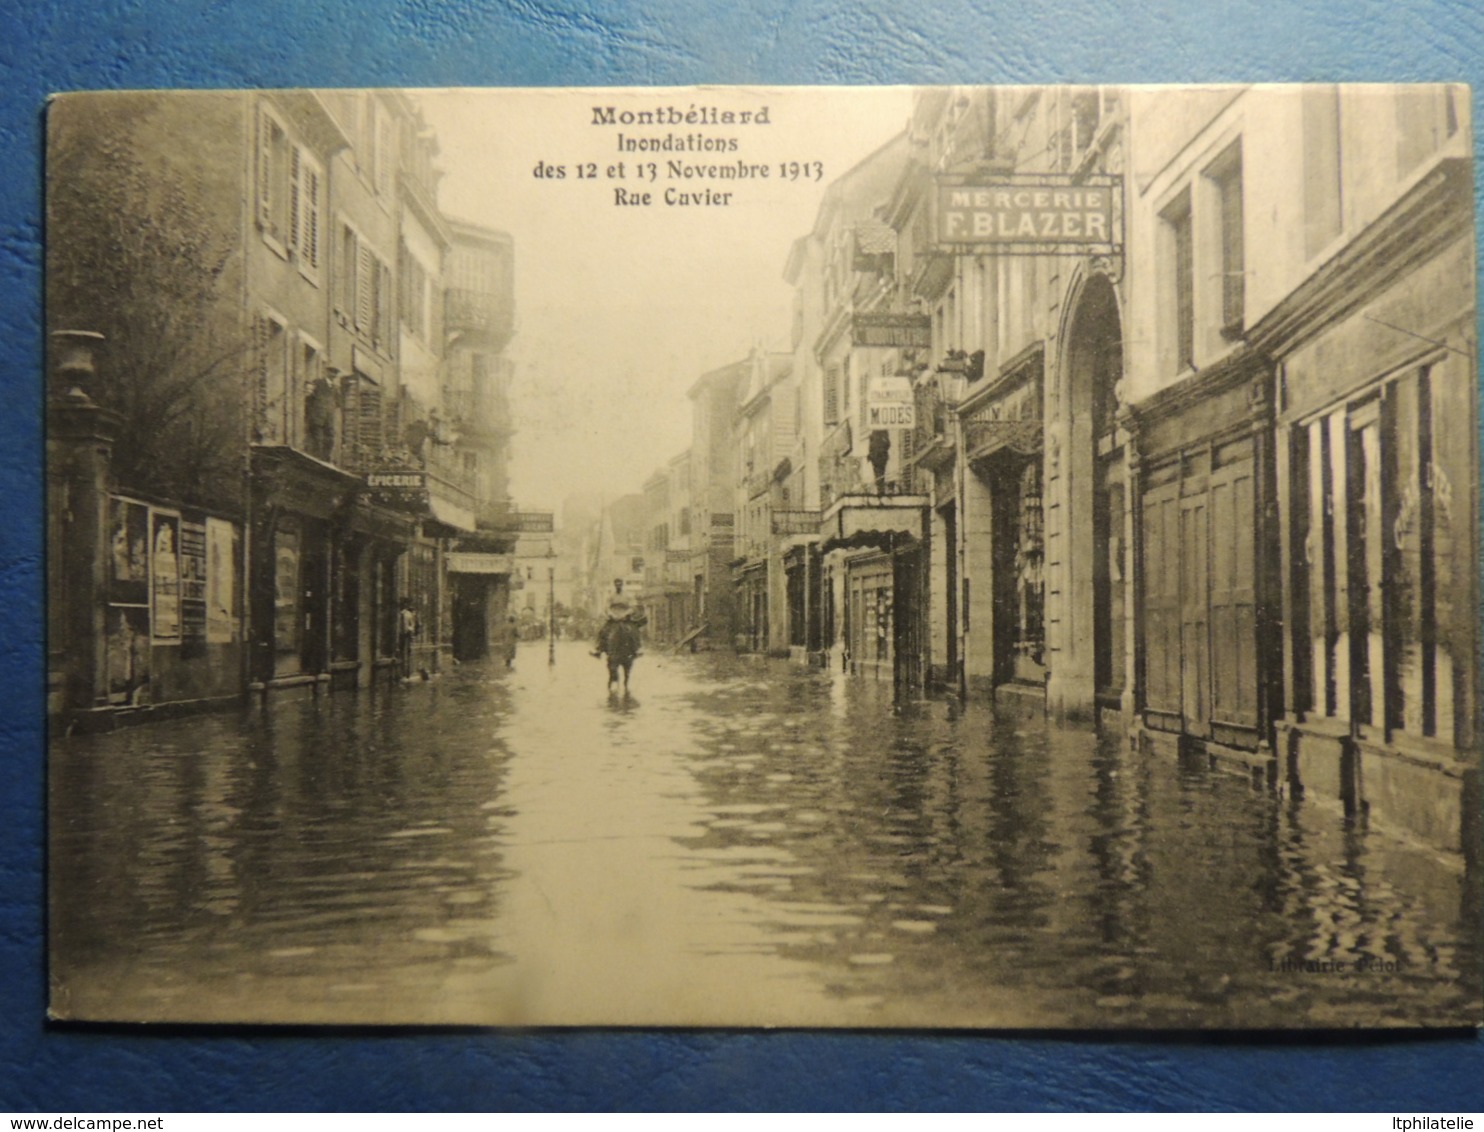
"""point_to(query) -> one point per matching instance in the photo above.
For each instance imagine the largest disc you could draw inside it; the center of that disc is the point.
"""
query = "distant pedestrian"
(510, 638)
(408, 626)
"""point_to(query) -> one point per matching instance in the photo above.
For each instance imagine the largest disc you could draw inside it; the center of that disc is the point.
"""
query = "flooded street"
(739, 842)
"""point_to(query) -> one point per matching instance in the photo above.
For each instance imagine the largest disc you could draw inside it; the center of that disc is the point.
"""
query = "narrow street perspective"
(912, 557)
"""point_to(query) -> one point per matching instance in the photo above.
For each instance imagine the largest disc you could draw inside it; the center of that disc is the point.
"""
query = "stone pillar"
(977, 609)
(1133, 571)
(1269, 567)
(80, 436)
(1070, 619)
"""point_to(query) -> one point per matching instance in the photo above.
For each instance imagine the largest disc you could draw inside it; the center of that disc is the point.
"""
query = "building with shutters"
(714, 399)
(477, 324)
(764, 433)
(269, 521)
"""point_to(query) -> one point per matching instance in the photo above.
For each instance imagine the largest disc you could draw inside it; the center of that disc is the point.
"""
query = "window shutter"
(365, 282)
(1233, 259)
(404, 282)
(386, 307)
(296, 172)
(345, 287)
(308, 203)
(384, 151)
(260, 383)
(369, 411)
(293, 401)
(265, 170)
(350, 417)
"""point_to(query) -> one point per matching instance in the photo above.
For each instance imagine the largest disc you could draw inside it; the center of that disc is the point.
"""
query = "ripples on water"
(360, 857)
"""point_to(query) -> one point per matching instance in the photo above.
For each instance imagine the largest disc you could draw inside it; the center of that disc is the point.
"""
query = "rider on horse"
(619, 635)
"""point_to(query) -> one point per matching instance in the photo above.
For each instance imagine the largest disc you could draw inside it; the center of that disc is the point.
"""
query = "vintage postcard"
(755, 556)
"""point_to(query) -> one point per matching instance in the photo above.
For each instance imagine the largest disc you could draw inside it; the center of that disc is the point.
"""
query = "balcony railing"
(478, 312)
(932, 414)
(496, 515)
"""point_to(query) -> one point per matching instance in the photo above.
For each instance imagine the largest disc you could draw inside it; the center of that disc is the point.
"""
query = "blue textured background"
(56, 45)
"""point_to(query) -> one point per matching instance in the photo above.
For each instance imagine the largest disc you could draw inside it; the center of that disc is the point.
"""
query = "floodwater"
(738, 842)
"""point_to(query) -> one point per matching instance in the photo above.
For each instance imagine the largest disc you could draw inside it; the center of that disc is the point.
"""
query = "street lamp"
(954, 374)
(551, 605)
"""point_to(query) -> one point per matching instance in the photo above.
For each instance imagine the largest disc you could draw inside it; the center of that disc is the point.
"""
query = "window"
(385, 154)
(290, 184)
(1322, 216)
(271, 384)
(1182, 275)
(365, 298)
(319, 400)
(832, 395)
(362, 424)
(366, 283)
(304, 212)
(414, 297)
(1227, 177)
(274, 175)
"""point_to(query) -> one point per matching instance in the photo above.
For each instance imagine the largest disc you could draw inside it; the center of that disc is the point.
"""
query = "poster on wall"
(192, 581)
(1122, 440)
(286, 590)
(221, 584)
(127, 654)
(129, 552)
(165, 576)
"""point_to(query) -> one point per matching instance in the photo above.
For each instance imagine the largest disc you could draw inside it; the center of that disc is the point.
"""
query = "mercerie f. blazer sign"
(1027, 214)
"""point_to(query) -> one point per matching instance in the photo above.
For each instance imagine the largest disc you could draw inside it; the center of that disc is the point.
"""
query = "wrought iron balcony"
(485, 314)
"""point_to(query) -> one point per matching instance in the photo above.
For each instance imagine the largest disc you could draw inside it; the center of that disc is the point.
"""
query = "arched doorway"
(1098, 500)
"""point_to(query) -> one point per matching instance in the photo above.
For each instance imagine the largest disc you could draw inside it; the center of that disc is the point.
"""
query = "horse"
(621, 644)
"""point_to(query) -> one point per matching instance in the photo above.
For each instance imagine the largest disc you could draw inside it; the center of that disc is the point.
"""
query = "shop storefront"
(804, 588)
(1378, 467)
(1006, 536)
(299, 505)
(1207, 589)
(874, 587)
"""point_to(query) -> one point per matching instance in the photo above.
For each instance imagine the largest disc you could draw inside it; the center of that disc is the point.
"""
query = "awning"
(450, 514)
(871, 540)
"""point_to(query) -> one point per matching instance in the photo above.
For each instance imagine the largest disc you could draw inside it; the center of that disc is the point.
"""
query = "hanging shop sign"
(1029, 216)
(480, 562)
(890, 404)
(892, 329)
(404, 489)
(397, 481)
(535, 522)
(1013, 421)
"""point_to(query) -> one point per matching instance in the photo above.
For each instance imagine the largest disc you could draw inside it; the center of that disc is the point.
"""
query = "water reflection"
(749, 843)
(960, 868)
(338, 852)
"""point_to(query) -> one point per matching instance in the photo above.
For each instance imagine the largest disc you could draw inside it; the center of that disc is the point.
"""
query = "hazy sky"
(620, 308)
